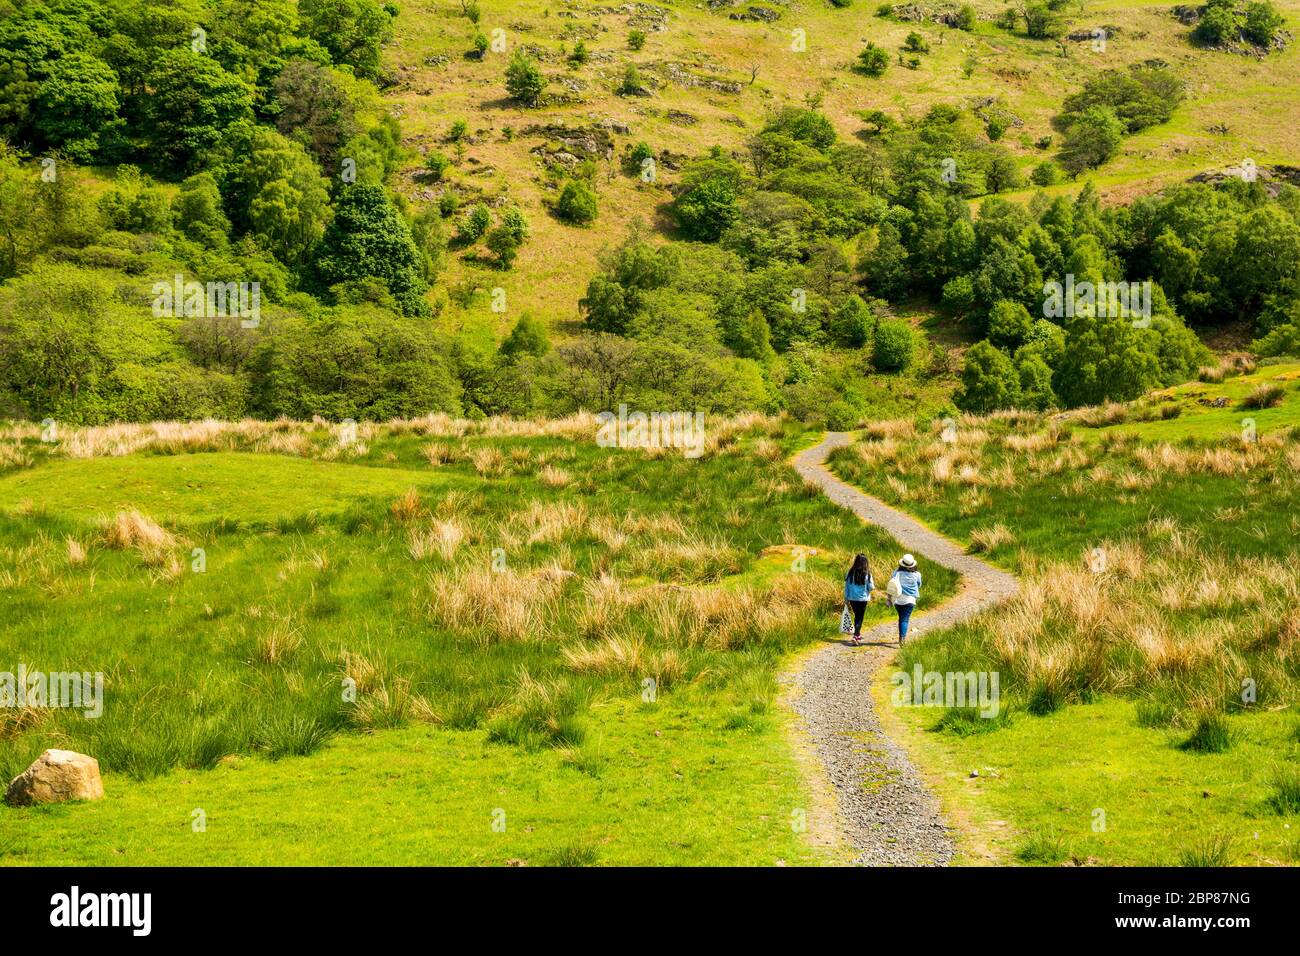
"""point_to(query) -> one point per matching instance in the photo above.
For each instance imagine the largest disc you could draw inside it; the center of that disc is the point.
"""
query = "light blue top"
(857, 592)
(910, 582)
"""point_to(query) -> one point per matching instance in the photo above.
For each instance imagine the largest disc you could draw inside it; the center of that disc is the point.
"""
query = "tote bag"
(846, 620)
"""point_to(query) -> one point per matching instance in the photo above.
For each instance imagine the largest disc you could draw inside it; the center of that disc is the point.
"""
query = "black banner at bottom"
(340, 905)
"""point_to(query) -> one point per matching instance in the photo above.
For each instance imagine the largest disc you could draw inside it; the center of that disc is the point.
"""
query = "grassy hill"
(700, 49)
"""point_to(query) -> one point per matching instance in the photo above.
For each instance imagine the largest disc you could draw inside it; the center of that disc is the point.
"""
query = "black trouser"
(859, 608)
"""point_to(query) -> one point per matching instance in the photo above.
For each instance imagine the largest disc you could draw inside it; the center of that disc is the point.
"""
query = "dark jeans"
(859, 607)
(904, 615)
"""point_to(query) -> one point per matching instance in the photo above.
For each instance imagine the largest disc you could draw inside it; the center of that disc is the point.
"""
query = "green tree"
(893, 346)
(1092, 138)
(363, 363)
(277, 194)
(524, 81)
(353, 31)
(873, 60)
(708, 204)
(528, 337)
(988, 381)
(1105, 359)
(851, 324)
(198, 210)
(368, 238)
(577, 203)
(76, 104)
(193, 106)
(316, 107)
(1009, 324)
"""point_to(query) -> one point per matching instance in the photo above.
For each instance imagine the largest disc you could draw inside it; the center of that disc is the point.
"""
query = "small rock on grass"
(57, 776)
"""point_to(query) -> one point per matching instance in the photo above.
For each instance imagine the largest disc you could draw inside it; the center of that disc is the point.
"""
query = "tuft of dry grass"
(76, 552)
(488, 461)
(984, 540)
(406, 507)
(443, 538)
(131, 530)
(278, 642)
(1268, 395)
(436, 453)
(553, 477)
(494, 605)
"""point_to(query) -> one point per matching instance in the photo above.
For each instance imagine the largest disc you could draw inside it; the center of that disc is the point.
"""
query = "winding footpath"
(885, 811)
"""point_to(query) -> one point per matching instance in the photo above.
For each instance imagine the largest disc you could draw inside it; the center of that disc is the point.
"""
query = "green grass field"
(620, 574)
(1150, 666)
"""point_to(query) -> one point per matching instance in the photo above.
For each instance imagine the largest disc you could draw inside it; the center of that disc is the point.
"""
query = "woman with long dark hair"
(857, 592)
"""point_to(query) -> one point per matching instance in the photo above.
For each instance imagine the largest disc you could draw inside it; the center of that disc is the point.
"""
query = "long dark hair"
(861, 569)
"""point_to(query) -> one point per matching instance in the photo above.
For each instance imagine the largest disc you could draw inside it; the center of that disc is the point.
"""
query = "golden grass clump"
(488, 461)
(76, 551)
(406, 507)
(279, 641)
(549, 522)
(437, 453)
(553, 477)
(131, 530)
(873, 453)
(984, 540)
(494, 605)
(1024, 442)
(12, 456)
(443, 538)
(898, 429)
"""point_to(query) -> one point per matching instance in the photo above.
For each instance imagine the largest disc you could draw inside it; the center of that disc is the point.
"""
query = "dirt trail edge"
(886, 812)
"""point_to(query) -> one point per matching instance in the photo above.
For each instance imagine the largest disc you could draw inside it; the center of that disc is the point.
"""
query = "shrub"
(988, 380)
(915, 43)
(1266, 396)
(1216, 26)
(1091, 139)
(475, 225)
(893, 346)
(967, 18)
(1009, 324)
(1046, 173)
(437, 164)
(873, 60)
(1042, 23)
(1262, 22)
(524, 81)
(636, 39)
(577, 203)
(630, 85)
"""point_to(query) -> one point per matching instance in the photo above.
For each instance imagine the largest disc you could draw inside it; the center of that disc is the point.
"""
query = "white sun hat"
(908, 561)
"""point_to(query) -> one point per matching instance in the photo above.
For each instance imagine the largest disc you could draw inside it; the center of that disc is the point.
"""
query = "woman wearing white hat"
(904, 589)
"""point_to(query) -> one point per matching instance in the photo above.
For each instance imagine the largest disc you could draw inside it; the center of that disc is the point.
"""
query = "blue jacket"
(857, 592)
(910, 582)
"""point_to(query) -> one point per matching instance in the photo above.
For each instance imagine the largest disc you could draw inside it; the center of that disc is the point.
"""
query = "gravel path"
(886, 812)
